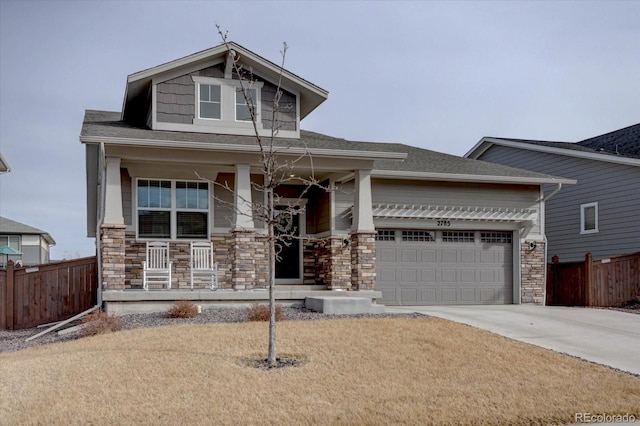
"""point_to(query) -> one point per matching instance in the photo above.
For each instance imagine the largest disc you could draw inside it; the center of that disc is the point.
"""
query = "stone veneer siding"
(112, 253)
(363, 261)
(333, 263)
(242, 258)
(532, 273)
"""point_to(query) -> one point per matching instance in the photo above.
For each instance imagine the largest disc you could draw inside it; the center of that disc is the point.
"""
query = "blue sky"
(438, 75)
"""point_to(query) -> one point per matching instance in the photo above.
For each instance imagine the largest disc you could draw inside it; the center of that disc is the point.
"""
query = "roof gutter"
(454, 177)
(339, 153)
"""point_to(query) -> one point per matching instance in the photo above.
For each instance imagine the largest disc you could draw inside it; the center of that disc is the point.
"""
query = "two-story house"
(400, 223)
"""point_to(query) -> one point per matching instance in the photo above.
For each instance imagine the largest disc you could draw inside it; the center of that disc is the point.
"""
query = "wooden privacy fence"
(610, 281)
(46, 293)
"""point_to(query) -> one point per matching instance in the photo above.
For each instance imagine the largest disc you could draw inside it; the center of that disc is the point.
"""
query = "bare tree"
(277, 167)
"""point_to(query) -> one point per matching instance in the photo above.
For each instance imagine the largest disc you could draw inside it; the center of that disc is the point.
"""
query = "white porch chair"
(157, 268)
(203, 269)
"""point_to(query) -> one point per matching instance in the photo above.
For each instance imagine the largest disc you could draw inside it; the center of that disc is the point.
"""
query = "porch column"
(113, 193)
(243, 214)
(112, 239)
(362, 204)
(243, 246)
(363, 241)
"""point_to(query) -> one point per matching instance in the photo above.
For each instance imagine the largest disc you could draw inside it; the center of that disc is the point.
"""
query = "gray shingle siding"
(615, 187)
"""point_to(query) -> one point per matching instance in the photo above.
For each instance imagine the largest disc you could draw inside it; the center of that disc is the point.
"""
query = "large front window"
(169, 209)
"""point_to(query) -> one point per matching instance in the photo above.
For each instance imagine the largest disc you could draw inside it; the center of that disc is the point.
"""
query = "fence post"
(588, 278)
(10, 281)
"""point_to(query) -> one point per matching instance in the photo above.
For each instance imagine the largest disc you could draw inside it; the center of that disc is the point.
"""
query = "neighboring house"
(34, 243)
(409, 225)
(600, 213)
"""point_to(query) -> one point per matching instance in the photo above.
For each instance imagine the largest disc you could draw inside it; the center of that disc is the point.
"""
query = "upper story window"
(12, 241)
(221, 103)
(588, 218)
(168, 209)
(210, 101)
(244, 101)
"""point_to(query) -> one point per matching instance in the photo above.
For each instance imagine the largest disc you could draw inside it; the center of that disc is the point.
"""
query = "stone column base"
(532, 273)
(363, 260)
(112, 253)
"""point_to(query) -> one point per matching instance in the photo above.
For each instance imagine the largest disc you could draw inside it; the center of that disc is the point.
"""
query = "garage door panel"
(387, 275)
(409, 256)
(428, 276)
(429, 255)
(467, 295)
(386, 255)
(448, 275)
(449, 256)
(409, 276)
(409, 295)
(467, 275)
(467, 256)
(444, 272)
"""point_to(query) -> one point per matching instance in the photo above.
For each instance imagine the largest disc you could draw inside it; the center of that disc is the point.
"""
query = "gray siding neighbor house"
(34, 243)
(400, 224)
(600, 214)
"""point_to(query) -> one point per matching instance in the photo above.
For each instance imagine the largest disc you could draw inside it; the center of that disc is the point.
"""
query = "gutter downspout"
(544, 199)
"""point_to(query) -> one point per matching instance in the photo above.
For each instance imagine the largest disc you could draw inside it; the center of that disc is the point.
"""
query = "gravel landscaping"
(12, 341)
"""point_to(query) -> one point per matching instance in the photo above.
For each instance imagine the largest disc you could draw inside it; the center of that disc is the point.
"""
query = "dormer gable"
(201, 93)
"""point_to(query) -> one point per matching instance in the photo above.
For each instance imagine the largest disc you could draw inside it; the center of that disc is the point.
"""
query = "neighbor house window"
(243, 102)
(210, 101)
(589, 218)
(12, 241)
(172, 209)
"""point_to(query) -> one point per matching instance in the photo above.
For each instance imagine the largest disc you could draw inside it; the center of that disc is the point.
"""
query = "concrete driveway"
(603, 336)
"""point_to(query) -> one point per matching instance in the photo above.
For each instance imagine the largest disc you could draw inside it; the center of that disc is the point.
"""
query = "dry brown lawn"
(356, 371)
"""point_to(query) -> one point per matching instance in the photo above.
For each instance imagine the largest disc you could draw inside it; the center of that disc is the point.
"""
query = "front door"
(289, 265)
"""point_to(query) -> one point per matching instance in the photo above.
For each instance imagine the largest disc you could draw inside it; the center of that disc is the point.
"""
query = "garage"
(435, 267)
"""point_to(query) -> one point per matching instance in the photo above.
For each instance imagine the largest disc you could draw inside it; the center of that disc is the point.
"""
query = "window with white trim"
(209, 101)
(458, 237)
(169, 209)
(244, 103)
(589, 218)
(418, 236)
(12, 241)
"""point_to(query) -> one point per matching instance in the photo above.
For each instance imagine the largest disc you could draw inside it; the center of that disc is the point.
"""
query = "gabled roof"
(391, 160)
(624, 142)
(8, 226)
(597, 148)
(139, 83)
(4, 166)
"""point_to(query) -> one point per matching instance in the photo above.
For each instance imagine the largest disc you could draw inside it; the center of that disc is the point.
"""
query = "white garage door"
(418, 267)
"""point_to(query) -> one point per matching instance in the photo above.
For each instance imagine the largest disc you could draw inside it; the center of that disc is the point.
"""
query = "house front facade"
(181, 163)
(599, 214)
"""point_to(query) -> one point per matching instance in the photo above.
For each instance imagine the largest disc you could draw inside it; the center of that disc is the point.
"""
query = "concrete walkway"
(600, 335)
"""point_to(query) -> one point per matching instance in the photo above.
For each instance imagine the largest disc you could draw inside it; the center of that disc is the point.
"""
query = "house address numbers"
(443, 223)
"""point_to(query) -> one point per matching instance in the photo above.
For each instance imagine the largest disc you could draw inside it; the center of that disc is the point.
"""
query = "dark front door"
(288, 265)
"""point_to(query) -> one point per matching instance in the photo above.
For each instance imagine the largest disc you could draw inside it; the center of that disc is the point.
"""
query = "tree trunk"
(271, 359)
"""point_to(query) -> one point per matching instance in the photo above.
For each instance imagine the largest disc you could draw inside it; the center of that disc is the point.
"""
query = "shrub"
(99, 322)
(258, 312)
(183, 309)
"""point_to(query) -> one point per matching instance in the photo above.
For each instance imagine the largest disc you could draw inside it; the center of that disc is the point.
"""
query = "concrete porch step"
(342, 305)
